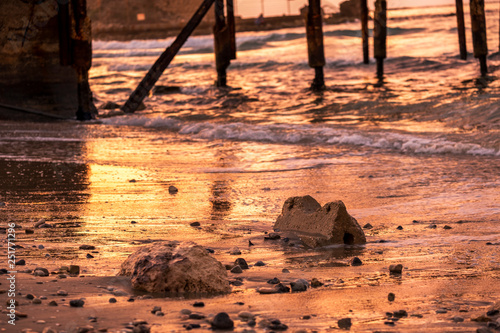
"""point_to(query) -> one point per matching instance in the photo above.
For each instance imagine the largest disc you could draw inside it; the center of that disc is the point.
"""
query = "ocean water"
(424, 146)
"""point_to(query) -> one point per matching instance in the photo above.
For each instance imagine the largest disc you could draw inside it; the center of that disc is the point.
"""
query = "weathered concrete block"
(176, 268)
(319, 226)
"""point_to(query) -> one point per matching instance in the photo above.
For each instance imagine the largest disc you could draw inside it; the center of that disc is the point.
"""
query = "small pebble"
(260, 263)
(284, 270)
(274, 280)
(77, 303)
(399, 227)
(89, 256)
(241, 262)
(53, 303)
(197, 305)
(396, 269)
(195, 224)
(172, 189)
(457, 319)
(112, 300)
(391, 297)
(315, 283)
(62, 293)
(236, 270)
(440, 311)
(156, 309)
(20, 262)
(234, 251)
(30, 296)
(446, 227)
(37, 301)
(368, 226)
(87, 247)
(345, 323)
(29, 231)
(356, 262)
(222, 321)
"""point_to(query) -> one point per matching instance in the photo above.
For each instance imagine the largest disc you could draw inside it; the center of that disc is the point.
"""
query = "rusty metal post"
(222, 44)
(232, 27)
(164, 60)
(478, 27)
(81, 47)
(380, 36)
(461, 29)
(316, 51)
(364, 30)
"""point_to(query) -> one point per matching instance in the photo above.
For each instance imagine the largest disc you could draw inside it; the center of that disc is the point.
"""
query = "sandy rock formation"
(175, 267)
(319, 226)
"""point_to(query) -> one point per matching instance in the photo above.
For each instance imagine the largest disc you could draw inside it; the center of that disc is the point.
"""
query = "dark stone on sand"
(76, 303)
(492, 313)
(274, 280)
(156, 309)
(345, 323)
(483, 330)
(53, 303)
(133, 222)
(399, 227)
(165, 90)
(191, 326)
(447, 227)
(89, 256)
(198, 304)
(131, 299)
(234, 251)
(432, 226)
(457, 319)
(319, 226)
(396, 269)
(21, 262)
(441, 311)
(29, 231)
(87, 247)
(306, 317)
(209, 250)
(74, 270)
(368, 226)
(250, 243)
(241, 262)
(356, 262)
(195, 224)
(141, 329)
(299, 285)
(236, 270)
(277, 325)
(391, 297)
(259, 263)
(390, 323)
(236, 283)
(40, 271)
(281, 288)
(110, 106)
(112, 300)
(222, 321)
(172, 189)
(315, 283)
(197, 316)
(400, 314)
(272, 236)
(3, 271)
(481, 319)
(30, 296)
(284, 270)
(85, 329)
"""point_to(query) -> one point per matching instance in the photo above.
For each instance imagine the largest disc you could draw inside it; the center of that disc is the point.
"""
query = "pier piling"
(315, 46)
(478, 27)
(222, 44)
(364, 31)
(232, 27)
(380, 36)
(164, 60)
(461, 29)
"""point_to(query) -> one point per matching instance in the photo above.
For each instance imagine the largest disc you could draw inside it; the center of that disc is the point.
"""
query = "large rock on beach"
(319, 226)
(176, 267)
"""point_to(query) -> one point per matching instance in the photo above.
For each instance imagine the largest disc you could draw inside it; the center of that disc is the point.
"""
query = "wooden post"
(380, 36)
(222, 44)
(364, 31)
(164, 60)
(314, 32)
(81, 58)
(232, 27)
(461, 29)
(64, 26)
(478, 27)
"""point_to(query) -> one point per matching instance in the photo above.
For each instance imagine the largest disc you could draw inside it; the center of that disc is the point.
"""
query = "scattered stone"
(222, 321)
(345, 323)
(299, 285)
(400, 314)
(482, 319)
(306, 317)
(272, 236)
(186, 311)
(37, 301)
(277, 325)
(197, 305)
(112, 300)
(457, 319)
(164, 90)
(93, 319)
(172, 189)
(250, 243)
(331, 223)
(119, 292)
(396, 269)
(53, 303)
(260, 263)
(196, 316)
(74, 270)
(29, 231)
(175, 267)
(40, 271)
(87, 247)
(390, 323)
(315, 283)
(234, 251)
(281, 288)
(110, 106)
(284, 270)
(447, 227)
(41, 247)
(241, 262)
(159, 314)
(62, 293)
(131, 299)
(210, 250)
(391, 297)
(40, 321)
(356, 262)
(195, 224)
(89, 256)
(30, 296)
(441, 311)
(49, 329)
(368, 226)
(76, 303)
(156, 309)
(62, 276)
(432, 226)
(191, 326)
(246, 315)
(85, 329)
(236, 270)
(267, 291)
(39, 223)
(274, 280)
